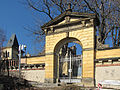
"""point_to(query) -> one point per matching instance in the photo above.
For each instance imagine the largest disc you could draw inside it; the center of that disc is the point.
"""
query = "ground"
(13, 83)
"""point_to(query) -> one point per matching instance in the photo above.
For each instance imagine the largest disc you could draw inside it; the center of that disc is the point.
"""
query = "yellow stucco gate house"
(70, 27)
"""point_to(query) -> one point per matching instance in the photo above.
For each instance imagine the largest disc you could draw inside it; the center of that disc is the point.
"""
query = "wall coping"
(107, 65)
(34, 56)
(109, 48)
(101, 59)
(27, 69)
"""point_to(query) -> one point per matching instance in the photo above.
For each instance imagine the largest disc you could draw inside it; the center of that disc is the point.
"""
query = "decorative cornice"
(68, 30)
(71, 14)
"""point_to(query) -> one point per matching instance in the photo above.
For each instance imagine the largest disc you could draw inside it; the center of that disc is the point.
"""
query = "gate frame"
(80, 26)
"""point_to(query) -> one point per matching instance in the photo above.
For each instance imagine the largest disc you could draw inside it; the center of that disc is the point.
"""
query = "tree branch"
(32, 6)
(92, 9)
(59, 5)
(118, 40)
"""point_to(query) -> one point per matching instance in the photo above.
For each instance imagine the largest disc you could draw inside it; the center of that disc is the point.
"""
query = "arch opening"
(68, 60)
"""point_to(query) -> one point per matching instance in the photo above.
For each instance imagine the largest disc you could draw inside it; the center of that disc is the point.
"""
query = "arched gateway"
(68, 63)
(70, 27)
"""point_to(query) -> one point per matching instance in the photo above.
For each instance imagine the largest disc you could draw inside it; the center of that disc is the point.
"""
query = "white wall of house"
(9, 50)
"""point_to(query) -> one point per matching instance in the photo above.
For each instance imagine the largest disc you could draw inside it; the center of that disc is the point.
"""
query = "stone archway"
(65, 61)
(79, 26)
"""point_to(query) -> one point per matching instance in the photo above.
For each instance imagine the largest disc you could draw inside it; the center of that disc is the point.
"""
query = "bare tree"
(108, 12)
(2, 40)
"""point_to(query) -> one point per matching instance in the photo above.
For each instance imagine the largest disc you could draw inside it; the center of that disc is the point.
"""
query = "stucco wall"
(30, 75)
(13, 52)
(34, 75)
(108, 53)
(8, 49)
(106, 68)
(33, 60)
(107, 73)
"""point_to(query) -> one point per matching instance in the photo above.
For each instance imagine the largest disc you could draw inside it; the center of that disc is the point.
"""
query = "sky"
(14, 16)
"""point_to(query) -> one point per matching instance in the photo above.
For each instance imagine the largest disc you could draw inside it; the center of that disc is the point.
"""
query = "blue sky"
(14, 16)
(78, 48)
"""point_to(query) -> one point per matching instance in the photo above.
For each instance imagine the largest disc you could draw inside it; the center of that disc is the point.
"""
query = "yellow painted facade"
(110, 53)
(84, 37)
(33, 60)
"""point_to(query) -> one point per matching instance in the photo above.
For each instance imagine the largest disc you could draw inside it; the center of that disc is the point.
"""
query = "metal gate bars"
(70, 69)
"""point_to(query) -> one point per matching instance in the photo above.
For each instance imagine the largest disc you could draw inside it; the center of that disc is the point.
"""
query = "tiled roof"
(12, 41)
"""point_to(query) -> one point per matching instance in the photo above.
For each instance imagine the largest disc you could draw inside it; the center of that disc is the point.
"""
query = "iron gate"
(70, 69)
